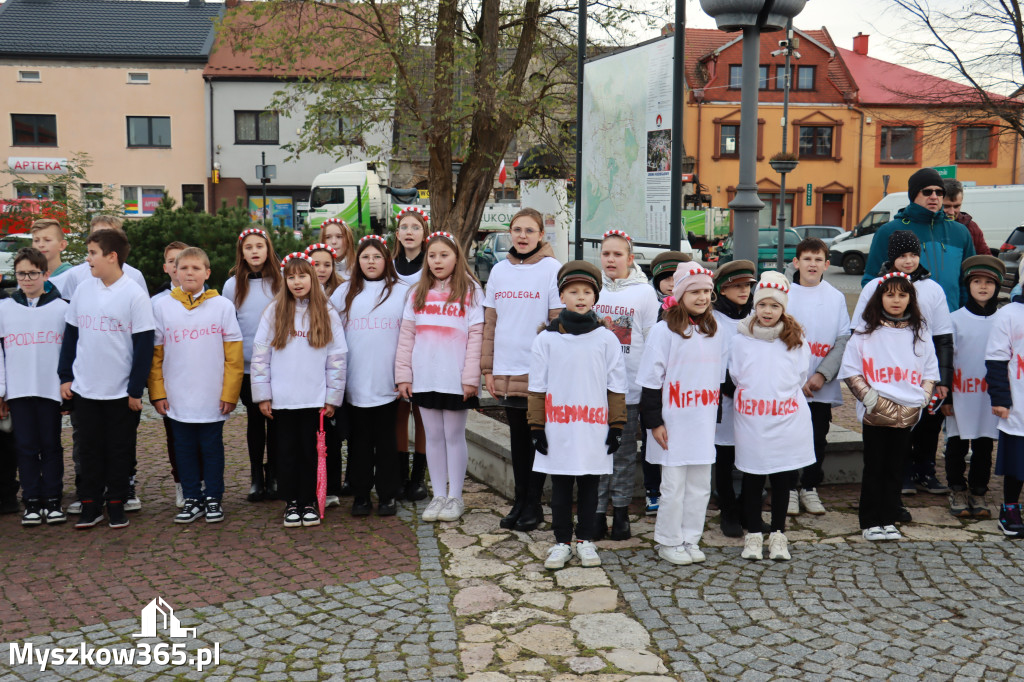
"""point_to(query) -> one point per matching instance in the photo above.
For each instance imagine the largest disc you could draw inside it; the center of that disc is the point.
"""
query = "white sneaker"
(778, 549)
(675, 555)
(752, 546)
(332, 501)
(694, 551)
(434, 508)
(452, 510)
(587, 553)
(810, 501)
(557, 556)
(75, 507)
(179, 496)
(892, 533)
(794, 503)
(875, 534)
(132, 504)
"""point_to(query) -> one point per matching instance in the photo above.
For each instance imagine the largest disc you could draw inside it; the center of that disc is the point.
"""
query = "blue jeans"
(195, 441)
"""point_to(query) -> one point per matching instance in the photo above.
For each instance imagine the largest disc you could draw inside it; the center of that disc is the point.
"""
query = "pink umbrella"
(321, 466)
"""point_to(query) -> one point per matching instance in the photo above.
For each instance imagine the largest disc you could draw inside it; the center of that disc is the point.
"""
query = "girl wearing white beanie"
(768, 366)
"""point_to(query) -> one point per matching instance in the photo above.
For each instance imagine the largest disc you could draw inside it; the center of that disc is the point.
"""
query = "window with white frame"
(138, 77)
(141, 200)
(30, 77)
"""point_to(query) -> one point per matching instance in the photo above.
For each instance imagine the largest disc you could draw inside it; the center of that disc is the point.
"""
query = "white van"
(997, 209)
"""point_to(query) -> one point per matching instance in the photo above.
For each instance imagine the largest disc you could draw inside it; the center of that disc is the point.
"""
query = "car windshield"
(11, 245)
(1016, 237)
(502, 242)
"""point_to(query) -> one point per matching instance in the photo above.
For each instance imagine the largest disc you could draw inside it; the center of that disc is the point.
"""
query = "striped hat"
(987, 266)
(580, 271)
(773, 285)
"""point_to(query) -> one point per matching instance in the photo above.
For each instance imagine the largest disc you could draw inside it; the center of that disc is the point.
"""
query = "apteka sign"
(31, 164)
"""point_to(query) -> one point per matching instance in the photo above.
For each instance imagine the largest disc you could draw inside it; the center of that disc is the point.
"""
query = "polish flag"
(502, 173)
(515, 164)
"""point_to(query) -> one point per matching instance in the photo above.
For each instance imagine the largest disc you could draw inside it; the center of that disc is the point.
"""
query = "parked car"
(767, 248)
(1010, 253)
(489, 252)
(825, 233)
(9, 246)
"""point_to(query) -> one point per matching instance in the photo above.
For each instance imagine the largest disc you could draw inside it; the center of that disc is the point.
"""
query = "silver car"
(825, 233)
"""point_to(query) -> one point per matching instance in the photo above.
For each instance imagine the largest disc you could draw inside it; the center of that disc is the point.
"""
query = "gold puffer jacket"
(887, 413)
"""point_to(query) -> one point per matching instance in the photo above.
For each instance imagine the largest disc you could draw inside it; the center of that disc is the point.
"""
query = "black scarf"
(569, 322)
(515, 254)
(981, 310)
(407, 267)
(731, 310)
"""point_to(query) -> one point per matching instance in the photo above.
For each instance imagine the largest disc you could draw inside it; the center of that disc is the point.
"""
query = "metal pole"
(263, 181)
(746, 205)
(359, 207)
(781, 256)
(581, 54)
(675, 215)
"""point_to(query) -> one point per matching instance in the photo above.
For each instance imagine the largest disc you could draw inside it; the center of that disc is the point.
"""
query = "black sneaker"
(214, 512)
(91, 514)
(903, 515)
(292, 516)
(361, 506)
(731, 526)
(310, 516)
(930, 484)
(386, 508)
(1010, 521)
(908, 487)
(53, 512)
(192, 510)
(132, 503)
(33, 514)
(115, 512)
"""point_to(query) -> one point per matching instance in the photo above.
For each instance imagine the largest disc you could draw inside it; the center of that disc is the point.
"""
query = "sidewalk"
(398, 599)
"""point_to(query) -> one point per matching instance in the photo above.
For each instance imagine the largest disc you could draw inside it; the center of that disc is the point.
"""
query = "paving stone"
(576, 576)
(480, 598)
(609, 631)
(594, 600)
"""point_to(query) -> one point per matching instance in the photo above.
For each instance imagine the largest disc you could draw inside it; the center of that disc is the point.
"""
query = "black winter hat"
(901, 242)
(926, 177)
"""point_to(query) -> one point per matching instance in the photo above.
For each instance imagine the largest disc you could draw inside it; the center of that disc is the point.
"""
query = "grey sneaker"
(979, 506)
(959, 505)
(75, 507)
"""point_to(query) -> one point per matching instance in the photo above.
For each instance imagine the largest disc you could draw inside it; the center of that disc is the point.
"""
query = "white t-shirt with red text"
(1006, 344)
(972, 407)
(521, 295)
(372, 328)
(821, 311)
(106, 318)
(31, 349)
(193, 359)
(575, 373)
(931, 301)
(689, 373)
(442, 334)
(893, 363)
(773, 422)
(631, 312)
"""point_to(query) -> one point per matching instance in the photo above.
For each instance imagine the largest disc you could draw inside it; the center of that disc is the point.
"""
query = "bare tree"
(463, 76)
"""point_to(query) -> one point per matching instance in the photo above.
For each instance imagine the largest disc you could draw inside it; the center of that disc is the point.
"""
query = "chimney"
(860, 44)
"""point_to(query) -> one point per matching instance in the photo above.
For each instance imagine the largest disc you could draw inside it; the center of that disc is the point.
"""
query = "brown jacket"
(506, 386)
(887, 413)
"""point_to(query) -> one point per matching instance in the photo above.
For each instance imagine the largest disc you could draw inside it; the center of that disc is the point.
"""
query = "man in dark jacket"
(945, 243)
(951, 204)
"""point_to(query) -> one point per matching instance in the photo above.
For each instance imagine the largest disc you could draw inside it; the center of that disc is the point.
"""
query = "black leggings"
(296, 433)
(259, 433)
(372, 452)
(725, 462)
(1011, 489)
(561, 506)
(753, 486)
(885, 450)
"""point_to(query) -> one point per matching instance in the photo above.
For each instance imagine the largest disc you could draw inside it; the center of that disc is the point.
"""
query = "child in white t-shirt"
(336, 233)
(255, 281)
(31, 326)
(630, 307)
(195, 380)
(371, 304)
(821, 310)
(325, 257)
(438, 366)
(298, 379)
(681, 373)
(104, 362)
(576, 410)
(768, 364)
(891, 369)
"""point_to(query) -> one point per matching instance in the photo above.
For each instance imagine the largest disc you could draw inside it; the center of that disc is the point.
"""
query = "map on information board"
(627, 143)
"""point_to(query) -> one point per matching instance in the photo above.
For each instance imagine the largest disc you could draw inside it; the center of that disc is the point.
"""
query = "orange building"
(853, 121)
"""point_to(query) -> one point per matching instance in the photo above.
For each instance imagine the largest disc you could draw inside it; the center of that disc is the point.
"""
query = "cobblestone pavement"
(399, 599)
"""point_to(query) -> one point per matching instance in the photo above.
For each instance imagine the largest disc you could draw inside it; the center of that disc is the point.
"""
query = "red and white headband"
(773, 285)
(441, 235)
(618, 233)
(413, 209)
(321, 247)
(374, 237)
(295, 255)
(251, 231)
(895, 274)
(334, 221)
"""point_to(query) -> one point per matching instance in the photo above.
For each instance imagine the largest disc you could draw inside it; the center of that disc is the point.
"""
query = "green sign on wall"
(809, 188)
(946, 172)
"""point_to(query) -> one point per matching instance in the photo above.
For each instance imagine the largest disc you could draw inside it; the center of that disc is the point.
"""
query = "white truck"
(997, 209)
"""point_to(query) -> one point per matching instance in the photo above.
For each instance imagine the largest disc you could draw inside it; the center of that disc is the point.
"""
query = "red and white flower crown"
(321, 247)
(413, 209)
(897, 273)
(334, 221)
(617, 233)
(376, 238)
(253, 230)
(295, 255)
(441, 235)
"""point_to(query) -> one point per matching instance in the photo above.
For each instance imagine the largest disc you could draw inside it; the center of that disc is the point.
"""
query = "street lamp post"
(784, 164)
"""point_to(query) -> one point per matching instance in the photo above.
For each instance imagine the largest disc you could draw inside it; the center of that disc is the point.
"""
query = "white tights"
(447, 454)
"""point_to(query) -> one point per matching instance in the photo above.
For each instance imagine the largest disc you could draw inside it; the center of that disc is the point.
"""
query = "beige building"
(95, 86)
